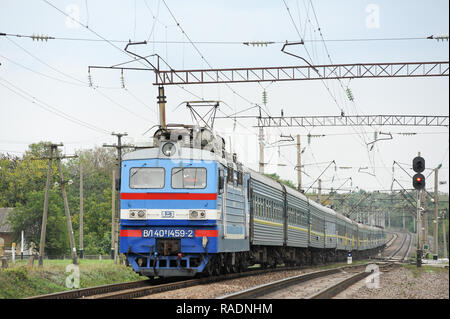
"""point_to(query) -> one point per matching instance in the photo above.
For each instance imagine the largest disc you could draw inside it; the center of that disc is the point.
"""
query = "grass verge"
(21, 281)
(418, 271)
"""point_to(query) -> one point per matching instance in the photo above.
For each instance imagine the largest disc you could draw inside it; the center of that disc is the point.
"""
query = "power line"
(46, 38)
(43, 74)
(80, 82)
(27, 96)
(364, 134)
(140, 116)
(309, 55)
(90, 29)
(45, 63)
(113, 45)
(203, 57)
(201, 54)
(155, 18)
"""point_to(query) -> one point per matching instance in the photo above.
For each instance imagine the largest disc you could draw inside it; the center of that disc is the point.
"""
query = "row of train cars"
(186, 210)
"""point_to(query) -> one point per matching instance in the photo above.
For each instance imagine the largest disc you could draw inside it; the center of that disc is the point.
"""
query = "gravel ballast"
(404, 282)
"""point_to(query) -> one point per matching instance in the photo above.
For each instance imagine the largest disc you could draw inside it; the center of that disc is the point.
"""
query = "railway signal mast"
(419, 185)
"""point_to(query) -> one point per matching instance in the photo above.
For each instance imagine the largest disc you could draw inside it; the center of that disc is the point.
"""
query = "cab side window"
(230, 177)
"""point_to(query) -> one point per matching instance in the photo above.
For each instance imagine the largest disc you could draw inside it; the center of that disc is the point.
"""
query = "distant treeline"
(22, 186)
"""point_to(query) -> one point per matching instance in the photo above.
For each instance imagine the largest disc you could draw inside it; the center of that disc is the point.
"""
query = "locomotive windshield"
(146, 177)
(192, 178)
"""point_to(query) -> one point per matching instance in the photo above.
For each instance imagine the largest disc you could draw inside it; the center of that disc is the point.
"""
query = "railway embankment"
(21, 281)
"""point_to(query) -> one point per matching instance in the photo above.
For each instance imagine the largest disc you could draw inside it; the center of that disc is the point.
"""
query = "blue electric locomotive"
(172, 204)
(189, 207)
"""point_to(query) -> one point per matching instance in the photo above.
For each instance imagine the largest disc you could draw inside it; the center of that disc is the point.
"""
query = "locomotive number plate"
(168, 233)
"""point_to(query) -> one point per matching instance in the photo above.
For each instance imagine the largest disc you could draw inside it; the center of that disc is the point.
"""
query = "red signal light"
(419, 181)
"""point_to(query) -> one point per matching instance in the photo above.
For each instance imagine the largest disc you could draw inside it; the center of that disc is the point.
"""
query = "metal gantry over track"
(306, 72)
(353, 120)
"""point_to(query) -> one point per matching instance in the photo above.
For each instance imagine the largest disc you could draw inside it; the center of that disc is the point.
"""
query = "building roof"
(5, 227)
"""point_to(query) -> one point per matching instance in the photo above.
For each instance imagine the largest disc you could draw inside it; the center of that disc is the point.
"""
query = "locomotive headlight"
(193, 214)
(141, 213)
(197, 214)
(137, 213)
(168, 149)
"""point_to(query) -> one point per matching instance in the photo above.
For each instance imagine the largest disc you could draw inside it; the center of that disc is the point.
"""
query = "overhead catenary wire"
(201, 54)
(216, 42)
(203, 57)
(43, 74)
(79, 83)
(77, 80)
(189, 42)
(125, 52)
(364, 143)
(29, 97)
(331, 61)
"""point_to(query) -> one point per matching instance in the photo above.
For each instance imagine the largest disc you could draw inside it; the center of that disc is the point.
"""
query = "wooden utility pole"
(319, 192)
(67, 212)
(54, 155)
(81, 211)
(53, 148)
(424, 219)
(418, 231)
(332, 198)
(403, 218)
(389, 219)
(435, 220)
(113, 213)
(299, 164)
(22, 242)
(261, 150)
(444, 217)
(115, 232)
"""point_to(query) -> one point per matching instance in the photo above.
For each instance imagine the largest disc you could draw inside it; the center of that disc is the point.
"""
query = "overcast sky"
(40, 79)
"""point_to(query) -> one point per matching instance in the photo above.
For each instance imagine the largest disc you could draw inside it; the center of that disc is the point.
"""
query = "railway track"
(323, 284)
(392, 240)
(92, 291)
(141, 288)
(401, 252)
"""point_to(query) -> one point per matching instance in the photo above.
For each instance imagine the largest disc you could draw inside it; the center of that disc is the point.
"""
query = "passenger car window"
(193, 178)
(147, 177)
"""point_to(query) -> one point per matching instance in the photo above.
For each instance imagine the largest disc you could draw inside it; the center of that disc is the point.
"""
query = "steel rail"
(400, 247)
(141, 288)
(265, 289)
(332, 291)
(406, 239)
(146, 291)
(85, 292)
(405, 255)
(391, 241)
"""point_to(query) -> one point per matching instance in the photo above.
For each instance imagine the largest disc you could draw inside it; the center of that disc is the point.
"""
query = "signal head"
(418, 164)
(418, 181)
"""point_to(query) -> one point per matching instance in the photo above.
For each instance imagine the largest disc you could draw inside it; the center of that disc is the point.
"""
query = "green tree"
(284, 181)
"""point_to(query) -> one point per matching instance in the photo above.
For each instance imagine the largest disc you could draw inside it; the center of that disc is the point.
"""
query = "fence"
(8, 256)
